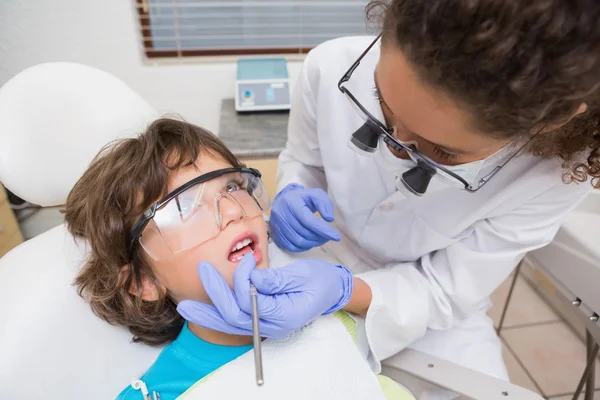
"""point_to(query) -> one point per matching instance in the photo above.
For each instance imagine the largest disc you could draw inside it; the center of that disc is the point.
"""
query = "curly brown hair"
(125, 178)
(515, 65)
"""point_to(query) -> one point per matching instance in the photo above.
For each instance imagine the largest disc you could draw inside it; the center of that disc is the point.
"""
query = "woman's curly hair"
(515, 66)
(125, 178)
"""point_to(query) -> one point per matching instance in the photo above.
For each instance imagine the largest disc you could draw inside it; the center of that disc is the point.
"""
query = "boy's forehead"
(204, 164)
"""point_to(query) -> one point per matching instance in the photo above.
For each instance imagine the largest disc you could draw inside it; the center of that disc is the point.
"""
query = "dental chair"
(54, 118)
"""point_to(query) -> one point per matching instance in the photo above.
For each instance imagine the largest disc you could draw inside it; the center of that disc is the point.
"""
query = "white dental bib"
(320, 361)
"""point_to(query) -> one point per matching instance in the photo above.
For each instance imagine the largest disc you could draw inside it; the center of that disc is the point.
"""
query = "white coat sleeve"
(301, 162)
(448, 285)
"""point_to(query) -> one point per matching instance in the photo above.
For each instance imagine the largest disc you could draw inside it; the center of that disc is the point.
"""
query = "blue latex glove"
(294, 225)
(289, 297)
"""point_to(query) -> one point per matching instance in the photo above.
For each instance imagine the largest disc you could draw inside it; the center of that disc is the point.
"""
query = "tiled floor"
(541, 352)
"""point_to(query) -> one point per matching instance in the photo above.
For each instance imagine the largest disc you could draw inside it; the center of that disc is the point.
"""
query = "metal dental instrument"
(256, 338)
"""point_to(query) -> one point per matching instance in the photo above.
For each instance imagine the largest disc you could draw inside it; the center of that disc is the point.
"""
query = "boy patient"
(151, 208)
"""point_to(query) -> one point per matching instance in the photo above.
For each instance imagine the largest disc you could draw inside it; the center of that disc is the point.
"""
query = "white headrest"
(54, 118)
(51, 344)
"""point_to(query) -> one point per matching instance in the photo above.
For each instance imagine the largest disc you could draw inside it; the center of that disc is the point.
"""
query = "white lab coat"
(431, 261)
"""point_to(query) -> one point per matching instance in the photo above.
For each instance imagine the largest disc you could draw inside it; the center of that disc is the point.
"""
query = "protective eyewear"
(416, 179)
(193, 213)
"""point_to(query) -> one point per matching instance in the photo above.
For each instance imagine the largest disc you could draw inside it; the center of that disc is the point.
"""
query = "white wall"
(105, 35)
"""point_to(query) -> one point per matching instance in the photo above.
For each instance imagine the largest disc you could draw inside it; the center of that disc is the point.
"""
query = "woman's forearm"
(361, 298)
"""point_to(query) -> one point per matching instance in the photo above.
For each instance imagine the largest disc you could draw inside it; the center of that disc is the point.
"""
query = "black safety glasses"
(148, 215)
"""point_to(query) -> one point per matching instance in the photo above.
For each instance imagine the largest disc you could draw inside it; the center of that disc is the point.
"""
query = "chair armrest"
(450, 376)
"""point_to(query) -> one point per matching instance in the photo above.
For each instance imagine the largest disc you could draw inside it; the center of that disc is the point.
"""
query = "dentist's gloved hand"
(295, 227)
(289, 297)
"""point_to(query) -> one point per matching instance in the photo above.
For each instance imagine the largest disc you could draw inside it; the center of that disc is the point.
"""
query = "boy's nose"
(229, 210)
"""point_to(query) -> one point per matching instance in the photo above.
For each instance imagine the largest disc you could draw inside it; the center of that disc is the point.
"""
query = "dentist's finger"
(222, 296)
(289, 234)
(208, 317)
(241, 282)
(296, 238)
(300, 230)
(321, 202)
(282, 241)
(318, 226)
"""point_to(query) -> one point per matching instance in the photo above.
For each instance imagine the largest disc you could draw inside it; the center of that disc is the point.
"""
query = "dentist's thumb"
(273, 281)
(241, 281)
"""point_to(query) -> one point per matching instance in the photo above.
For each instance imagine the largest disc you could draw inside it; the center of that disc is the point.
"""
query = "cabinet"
(10, 234)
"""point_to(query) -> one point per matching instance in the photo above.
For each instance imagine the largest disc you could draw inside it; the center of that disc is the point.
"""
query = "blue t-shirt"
(183, 363)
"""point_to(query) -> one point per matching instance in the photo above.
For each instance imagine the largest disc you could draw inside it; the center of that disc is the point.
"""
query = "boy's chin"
(264, 262)
(263, 265)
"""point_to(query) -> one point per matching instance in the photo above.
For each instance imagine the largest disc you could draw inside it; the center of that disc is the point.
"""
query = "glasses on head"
(193, 213)
(417, 179)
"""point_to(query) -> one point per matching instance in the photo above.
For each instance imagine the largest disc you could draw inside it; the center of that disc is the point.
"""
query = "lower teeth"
(238, 258)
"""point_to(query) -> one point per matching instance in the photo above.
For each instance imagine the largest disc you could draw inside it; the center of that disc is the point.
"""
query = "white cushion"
(53, 119)
(51, 345)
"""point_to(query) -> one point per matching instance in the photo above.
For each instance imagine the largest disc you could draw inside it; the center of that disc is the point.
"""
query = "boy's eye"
(232, 187)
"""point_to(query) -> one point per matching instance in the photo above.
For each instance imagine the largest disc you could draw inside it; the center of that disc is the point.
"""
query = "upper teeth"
(240, 244)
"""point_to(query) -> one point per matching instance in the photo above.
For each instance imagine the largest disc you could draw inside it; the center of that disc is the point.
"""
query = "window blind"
(176, 28)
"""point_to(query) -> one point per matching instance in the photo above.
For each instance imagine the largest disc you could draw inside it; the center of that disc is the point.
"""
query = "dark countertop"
(255, 134)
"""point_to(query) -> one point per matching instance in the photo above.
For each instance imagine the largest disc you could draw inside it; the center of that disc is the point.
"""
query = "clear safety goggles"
(416, 179)
(193, 213)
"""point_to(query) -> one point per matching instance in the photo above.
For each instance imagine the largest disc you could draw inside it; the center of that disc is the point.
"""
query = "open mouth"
(242, 246)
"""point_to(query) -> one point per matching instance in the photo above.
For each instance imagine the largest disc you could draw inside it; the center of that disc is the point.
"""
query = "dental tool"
(256, 337)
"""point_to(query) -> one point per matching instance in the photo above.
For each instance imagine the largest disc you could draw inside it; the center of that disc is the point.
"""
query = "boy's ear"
(149, 291)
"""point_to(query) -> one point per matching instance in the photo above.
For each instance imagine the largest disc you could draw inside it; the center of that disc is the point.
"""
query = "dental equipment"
(256, 338)
(262, 84)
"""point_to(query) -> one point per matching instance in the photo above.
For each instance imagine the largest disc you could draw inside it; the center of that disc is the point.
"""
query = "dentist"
(474, 129)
